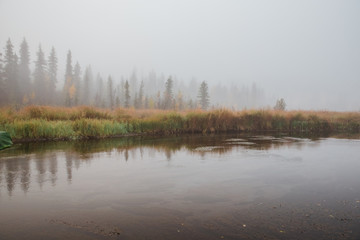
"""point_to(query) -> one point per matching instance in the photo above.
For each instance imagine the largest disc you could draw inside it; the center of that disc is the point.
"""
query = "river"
(183, 187)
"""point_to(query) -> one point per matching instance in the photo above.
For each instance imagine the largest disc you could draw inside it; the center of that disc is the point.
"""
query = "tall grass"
(45, 122)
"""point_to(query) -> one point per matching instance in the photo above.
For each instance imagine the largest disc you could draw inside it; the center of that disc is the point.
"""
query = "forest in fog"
(26, 81)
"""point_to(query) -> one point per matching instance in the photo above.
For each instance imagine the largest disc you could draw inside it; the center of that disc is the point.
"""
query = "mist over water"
(303, 51)
(184, 187)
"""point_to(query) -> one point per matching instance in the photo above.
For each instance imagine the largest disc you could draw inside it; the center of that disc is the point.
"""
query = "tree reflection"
(69, 163)
(11, 174)
(53, 168)
(25, 174)
(16, 163)
(40, 167)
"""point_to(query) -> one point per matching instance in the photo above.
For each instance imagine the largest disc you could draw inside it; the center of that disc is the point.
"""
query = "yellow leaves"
(72, 91)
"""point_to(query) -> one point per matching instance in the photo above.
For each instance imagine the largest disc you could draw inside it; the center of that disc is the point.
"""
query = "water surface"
(185, 187)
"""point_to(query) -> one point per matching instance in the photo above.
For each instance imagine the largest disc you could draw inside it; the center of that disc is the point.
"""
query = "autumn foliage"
(45, 122)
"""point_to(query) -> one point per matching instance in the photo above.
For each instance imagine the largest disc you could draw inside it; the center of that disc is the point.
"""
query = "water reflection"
(20, 163)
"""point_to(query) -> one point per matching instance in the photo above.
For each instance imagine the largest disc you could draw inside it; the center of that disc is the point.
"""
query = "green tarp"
(5, 140)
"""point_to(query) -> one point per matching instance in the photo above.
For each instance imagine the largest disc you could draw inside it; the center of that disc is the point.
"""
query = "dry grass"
(84, 121)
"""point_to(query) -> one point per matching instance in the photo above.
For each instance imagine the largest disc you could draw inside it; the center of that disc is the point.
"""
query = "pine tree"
(133, 82)
(203, 96)
(40, 81)
(68, 79)
(10, 72)
(99, 92)
(24, 72)
(141, 95)
(110, 92)
(168, 94)
(3, 90)
(117, 96)
(52, 74)
(77, 82)
(17, 94)
(136, 101)
(86, 88)
(122, 91)
(127, 95)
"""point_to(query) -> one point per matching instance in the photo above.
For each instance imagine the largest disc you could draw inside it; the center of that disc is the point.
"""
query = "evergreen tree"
(86, 88)
(136, 101)
(68, 79)
(18, 97)
(77, 82)
(3, 90)
(10, 72)
(99, 92)
(52, 74)
(40, 77)
(133, 82)
(24, 72)
(203, 96)
(168, 94)
(127, 95)
(122, 91)
(117, 96)
(141, 95)
(110, 92)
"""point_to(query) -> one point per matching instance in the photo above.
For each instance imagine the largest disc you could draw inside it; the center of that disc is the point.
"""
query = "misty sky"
(306, 51)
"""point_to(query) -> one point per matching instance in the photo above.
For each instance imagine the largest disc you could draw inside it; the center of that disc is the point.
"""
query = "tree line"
(21, 85)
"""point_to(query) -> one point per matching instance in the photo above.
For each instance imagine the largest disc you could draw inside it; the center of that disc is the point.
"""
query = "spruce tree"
(10, 72)
(133, 82)
(110, 92)
(168, 94)
(77, 82)
(3, 90)
(203, 96)
(122, 91)
(127, 95)
(86, 88)
(141, 95)
(24, 72)
(68, 79)
(99, 90)
(52, 74)
(40, 78)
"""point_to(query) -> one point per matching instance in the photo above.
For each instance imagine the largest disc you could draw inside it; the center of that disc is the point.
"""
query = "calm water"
(189, 187)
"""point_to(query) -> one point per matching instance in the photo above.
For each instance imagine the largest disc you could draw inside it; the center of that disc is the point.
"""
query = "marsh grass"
(45, 122)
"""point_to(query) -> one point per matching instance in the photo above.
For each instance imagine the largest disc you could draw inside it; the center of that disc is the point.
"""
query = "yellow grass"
(35, 122)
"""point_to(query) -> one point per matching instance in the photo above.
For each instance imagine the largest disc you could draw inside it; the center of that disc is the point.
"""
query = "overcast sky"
(306, 51)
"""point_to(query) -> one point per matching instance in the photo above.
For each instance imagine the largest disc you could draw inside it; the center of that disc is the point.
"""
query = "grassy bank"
(44, 122)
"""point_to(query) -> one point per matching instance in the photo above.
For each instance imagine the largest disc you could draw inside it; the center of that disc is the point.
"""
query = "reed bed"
(45, 122)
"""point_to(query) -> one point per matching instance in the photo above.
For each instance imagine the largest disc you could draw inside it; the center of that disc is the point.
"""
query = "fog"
(305, 51)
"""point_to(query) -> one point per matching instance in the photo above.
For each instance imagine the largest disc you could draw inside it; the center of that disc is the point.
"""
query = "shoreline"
(45, 123)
